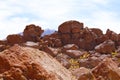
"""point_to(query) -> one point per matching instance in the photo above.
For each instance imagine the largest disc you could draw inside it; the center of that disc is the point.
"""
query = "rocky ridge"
(86, 53)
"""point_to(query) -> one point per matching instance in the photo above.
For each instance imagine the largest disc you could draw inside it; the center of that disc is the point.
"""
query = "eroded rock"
(106, 47)
(83, 74)
(24, 63)
(32, 32)
(70, 27)
(14, 39)
(107, 70)
(74, 53)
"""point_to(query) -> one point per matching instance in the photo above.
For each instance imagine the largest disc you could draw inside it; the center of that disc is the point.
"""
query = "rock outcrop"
(86, 52)
(24, 63)
(107, 70)
(15, 39)
(106, 47)
(32, 33)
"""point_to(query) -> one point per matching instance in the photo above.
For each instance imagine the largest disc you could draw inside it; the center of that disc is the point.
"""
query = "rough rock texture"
(83, 74)
(70, 27)
(112, 35)
(97, 31)
(24, 63)
(90, 62)
(53, 52)
(32, 32)
(107, 70)
(14, 39)
(64, 60)
(52, 40)
(74, 53)
(106, 47)
(70, 47)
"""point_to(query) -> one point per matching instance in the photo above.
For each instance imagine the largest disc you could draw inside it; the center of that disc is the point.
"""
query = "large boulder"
(25, 63)
(106, 70)
(71, 26)
(87, 39)
(112, 35)
(90, 62)
(106, 47)
(74, 53)
(32, 32)
(14, 39)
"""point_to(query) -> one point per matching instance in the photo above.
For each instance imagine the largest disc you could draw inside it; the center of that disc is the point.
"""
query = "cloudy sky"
(16, 14)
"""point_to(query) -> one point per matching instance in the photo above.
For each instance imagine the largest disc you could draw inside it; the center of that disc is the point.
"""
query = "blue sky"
(16, 14)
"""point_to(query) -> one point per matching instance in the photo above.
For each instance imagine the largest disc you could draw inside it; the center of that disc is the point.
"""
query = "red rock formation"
(70, 47)
(107, 70)
(14, 39)
(83, 74)
(73, 53)
(64, 60)
(70, 27)
(53, 52)
(106, 47)
(112, 35)
(90, 62)
(23, 63)
(97, 31)
(32, 32)
(52, 40)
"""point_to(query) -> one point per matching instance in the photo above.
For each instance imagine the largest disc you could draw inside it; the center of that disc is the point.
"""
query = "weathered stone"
(101, 39)
(32, 32)
(118, 49)
(52, 51)
(75, 36)
(106, 47)
(65, 38)
(3, 47)
(70, 26)
(76, 27)
(70, 47)
(106, 70)
(90, 62)
(74, 53)
(118, 42)
(64, 60)
(112, 35)
(83, 74)
(57, 43)
(52, 40)
(24, 63)
(64, 56)
(88, 35)
(14, 39)
(3, 42)
(87, 40)
(97, 31)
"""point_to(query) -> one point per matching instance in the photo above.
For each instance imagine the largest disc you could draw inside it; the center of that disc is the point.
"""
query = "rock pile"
(74, 46)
